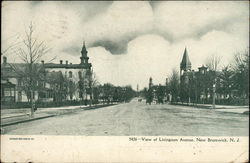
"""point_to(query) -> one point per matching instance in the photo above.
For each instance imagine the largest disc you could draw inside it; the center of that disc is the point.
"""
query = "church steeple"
(84, 57)
(150, 83)
(185, 63)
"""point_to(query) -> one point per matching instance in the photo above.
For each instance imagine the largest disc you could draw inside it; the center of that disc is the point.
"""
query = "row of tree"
(108, 93)
(229, 86)
(34, 78)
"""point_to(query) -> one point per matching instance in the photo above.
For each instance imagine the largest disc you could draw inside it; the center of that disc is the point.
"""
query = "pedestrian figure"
(35, 107)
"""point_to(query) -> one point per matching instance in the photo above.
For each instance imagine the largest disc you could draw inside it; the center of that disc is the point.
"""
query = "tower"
(185, 63)
(84, 58)
(185, 69)
(166, 82)
(150, 83)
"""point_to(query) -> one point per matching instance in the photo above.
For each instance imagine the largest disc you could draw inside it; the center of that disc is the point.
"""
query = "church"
(195, 86)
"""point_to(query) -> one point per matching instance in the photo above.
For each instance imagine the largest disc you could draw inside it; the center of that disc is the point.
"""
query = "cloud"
(143, 59)
(122, 22)
(130, 41)
(153, 56)
(194, 19)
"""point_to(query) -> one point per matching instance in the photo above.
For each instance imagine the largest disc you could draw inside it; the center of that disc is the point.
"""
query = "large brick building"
(60, 81)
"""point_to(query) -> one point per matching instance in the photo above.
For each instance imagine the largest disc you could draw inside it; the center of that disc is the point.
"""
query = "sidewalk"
(23, 118)
(15, 116)
(221, 108)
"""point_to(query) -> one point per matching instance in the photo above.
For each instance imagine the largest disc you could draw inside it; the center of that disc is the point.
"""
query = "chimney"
(67, 62)
(4, 60)
(61, 61)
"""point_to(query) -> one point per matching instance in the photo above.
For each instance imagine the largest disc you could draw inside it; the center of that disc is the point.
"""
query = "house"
(11, 82)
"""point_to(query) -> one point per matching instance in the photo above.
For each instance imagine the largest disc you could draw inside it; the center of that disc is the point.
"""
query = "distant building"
(156, 93)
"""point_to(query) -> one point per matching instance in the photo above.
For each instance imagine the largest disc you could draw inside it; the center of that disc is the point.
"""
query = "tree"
(31, 53)
(240, 69)
(225, 83)
(160, 93)
(11, 45)
(108, 92)
(92, 83)
(129, 93)
(213, 62)
(174, 85)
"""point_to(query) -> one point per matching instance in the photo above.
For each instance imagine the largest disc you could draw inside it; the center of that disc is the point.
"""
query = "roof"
(14, 70)
(67, 66)
(203, 67)
(7, 83)
(10, 70)
(185, 63)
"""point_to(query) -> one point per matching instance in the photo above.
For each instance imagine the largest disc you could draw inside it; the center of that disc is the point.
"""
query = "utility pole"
(137, 90)
(91, 86)
(214, 95)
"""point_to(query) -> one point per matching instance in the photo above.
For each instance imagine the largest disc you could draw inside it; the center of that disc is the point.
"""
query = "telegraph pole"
(91, 86)
(214, 96)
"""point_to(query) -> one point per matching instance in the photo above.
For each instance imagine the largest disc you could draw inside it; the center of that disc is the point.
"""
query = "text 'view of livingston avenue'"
(125, 68)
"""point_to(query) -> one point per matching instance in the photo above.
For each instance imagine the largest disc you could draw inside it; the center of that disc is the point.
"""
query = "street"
(137, 118)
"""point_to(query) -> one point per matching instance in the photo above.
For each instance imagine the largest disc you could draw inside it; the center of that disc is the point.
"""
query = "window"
(19, 96)
(7, 92)
(70, 74)
(80, 74)
(19, 82)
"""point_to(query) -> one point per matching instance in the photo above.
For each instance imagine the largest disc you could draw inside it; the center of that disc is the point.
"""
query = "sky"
(130, 41)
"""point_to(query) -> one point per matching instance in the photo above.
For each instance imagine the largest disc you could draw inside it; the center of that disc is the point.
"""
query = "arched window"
(70, 74)
(80, 74)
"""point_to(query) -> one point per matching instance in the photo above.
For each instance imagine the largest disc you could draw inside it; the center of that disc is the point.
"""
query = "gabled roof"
(11, 70)
(185, 63)
(16, 70)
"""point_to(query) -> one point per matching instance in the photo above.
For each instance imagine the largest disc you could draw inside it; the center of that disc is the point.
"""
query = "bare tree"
(213, 62)
(240, 67)
(11, 45)
(93, 82)
(30, 53)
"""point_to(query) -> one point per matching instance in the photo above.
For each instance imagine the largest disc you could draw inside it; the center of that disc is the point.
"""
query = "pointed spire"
(185, 63)
(150, 82)
(84, 51)
(84, 58)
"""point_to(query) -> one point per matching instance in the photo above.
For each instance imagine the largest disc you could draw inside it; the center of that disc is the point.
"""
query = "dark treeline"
(229, 86)
(108, 93)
